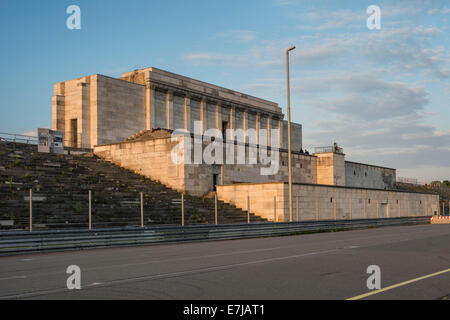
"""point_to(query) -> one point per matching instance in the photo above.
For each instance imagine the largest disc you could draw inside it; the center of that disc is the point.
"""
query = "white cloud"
(439, 11)
(238, 35)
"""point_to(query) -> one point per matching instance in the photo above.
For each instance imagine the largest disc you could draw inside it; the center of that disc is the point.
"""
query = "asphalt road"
(315, 266)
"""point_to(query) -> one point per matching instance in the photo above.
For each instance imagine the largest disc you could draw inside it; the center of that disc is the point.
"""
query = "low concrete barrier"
(440, 220)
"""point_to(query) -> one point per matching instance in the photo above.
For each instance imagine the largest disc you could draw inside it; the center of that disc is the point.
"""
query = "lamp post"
(289, 132)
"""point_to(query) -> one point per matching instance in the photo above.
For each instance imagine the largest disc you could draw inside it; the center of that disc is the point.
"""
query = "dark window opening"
(215, 178)
(224, 129)
(74, 132)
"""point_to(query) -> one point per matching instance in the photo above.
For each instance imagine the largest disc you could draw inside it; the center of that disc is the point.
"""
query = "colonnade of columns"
(223, 114)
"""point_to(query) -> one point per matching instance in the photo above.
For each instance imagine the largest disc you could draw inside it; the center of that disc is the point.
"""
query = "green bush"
(78, 207)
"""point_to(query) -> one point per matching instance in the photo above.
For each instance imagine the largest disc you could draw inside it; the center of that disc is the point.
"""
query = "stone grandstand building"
(135, 122)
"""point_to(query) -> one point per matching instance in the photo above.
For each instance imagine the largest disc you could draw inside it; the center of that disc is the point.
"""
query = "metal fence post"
(317, 208)
(298, 209)
(415, 213)
(365, 209)
(31, 210)
(182, 209)
(274, 209)
(409, 209)
(248, 209)
(215, 208)
(350, 205)
(142, 210)
(334, 209)
(378, 209)
(90, 211)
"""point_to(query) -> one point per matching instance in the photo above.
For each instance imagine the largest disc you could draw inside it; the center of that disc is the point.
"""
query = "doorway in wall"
(74, 133)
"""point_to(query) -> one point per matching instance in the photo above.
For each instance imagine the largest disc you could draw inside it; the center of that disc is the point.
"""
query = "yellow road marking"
(398, 285)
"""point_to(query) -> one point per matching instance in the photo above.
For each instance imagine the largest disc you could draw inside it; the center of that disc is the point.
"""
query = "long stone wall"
(319, 202)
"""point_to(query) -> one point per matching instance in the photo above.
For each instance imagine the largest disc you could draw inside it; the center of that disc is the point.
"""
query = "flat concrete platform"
(315, 266)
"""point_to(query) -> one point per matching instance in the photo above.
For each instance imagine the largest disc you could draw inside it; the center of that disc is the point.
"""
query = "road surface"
(315, 266)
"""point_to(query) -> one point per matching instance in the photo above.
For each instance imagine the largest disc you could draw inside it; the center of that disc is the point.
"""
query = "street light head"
(291, 48)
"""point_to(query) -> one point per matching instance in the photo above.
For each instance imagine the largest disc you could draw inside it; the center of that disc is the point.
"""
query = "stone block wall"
(97, 109)
(120, 109)
(367, 176)
(151, 158)
(267, 199)
(331, 168)
(320, 202)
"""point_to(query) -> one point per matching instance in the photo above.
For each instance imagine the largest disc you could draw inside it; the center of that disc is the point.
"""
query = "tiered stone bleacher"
(61, 185)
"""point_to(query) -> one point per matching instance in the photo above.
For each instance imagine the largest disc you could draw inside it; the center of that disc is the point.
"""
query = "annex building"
(156, 123)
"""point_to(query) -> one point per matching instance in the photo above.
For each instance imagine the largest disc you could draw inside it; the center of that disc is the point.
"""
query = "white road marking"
(14, 277)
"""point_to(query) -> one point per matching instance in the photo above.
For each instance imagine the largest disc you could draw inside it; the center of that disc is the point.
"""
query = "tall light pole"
(289, 132)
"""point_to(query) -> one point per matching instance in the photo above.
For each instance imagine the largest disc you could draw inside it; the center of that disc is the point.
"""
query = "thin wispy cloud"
(445, 10)
(238, 35)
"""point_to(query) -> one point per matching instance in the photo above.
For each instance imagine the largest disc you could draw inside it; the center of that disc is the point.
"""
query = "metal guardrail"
(328, 149)
(19, 138)
(17, 242)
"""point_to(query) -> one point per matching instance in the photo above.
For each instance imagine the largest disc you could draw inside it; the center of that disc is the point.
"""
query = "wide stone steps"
(61, 183)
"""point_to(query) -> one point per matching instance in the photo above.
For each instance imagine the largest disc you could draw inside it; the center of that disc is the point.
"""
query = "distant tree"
(435, 184)
(446, 183)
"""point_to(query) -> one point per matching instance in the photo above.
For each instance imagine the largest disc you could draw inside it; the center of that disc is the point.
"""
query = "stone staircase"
(61, 185)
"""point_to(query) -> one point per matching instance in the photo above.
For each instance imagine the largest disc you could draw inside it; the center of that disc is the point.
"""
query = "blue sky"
(383, 95)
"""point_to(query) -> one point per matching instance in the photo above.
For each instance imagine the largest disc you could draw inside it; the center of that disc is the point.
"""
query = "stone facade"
(368, 176)
(321, 202)
(150, 153)
(146, 120)
(331, 168)
(97, 110)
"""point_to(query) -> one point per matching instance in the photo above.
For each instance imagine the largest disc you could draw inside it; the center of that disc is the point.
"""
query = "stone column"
(280, 134)
(150, 120)
(203, 115)
(58, 113)
(257, 127)
(231, 124)
(245, 125)
(169, 110)
(187, 113)
(218, 117)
